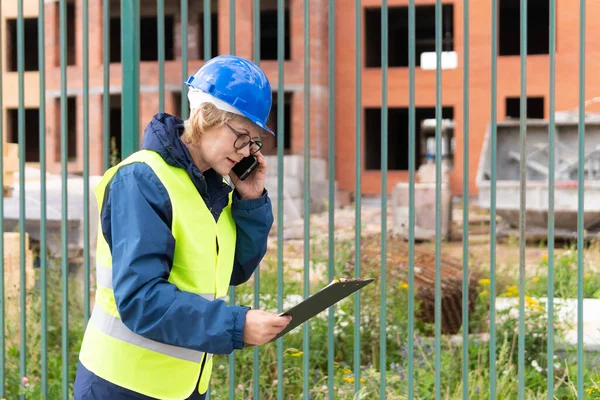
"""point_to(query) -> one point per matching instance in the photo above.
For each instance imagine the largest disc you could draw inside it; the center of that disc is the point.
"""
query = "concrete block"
(319, 195)
(292, 187)
(425, 210)
(293, 166)
(293, 208)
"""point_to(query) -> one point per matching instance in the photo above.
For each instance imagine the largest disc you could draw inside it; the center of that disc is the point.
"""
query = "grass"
(30, 384)
(536, 365)
(397, 341)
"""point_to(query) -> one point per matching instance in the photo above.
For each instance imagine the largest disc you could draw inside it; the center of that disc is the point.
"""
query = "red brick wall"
(293, 75)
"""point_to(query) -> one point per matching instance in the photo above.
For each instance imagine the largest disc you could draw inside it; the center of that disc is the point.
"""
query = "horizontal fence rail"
(446, 317)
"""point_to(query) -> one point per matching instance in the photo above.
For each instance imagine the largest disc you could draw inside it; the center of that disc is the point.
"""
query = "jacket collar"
(162, 135)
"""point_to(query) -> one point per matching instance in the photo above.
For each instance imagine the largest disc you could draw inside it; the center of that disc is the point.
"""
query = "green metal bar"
(232, 26)
(256, 58)
(106, 80)
(358, 168)
(438, 196)
(331, 263)
(494, 94)
(411, 194)
(64, 210)
(384, 168)
(160, 16)
(232, 355)
(207, 30)
(551, 161)
(580, 222)
(184, 57)
(43, 218)
(2, 299)
(21, 133)
(130, 37)
(523, 201)
(86, 165)
(280, 172)
(465, 289)
(305, 341)
(232, 288)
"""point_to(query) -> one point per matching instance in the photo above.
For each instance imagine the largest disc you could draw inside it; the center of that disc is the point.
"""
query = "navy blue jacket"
(136, 221)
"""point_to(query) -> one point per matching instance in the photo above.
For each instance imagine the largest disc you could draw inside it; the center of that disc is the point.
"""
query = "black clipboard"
(337, 290)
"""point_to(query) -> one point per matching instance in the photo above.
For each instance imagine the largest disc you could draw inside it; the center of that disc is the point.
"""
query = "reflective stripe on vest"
(113, 326)
(114, 352)
(104, 279)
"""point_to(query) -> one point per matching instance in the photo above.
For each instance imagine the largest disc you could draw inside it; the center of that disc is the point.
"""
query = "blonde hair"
(206, 116)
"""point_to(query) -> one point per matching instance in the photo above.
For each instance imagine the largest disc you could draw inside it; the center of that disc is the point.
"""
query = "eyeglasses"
(244, 139)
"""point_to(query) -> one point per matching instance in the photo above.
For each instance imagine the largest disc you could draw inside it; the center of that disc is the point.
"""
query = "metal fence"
(130, 42)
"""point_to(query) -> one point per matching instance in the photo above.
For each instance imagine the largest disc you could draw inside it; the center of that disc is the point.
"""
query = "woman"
(173, 237)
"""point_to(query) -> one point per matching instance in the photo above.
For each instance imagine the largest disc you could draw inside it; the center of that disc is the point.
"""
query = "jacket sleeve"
(136, 221)
(254, 219)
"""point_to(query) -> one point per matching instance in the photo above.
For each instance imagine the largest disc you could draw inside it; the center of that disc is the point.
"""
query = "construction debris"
(397, 259)
(508, 165)
(424, 278)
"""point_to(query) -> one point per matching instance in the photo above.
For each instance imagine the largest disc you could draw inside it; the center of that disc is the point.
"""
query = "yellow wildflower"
(346, 371)
(484, 293)
(403, 285)
(535, 279)
(531, 300)
(512, 291)
(296, 354)
(349, 379)
(593, 390)
(484, 281)
(533, 304)
(545, 256)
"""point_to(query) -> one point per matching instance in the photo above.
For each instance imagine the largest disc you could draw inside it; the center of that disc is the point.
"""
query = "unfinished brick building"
(345, 102)
(149, 99)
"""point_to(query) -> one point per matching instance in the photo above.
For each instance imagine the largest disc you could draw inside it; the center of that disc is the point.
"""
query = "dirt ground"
(507, 248)
(451, 257)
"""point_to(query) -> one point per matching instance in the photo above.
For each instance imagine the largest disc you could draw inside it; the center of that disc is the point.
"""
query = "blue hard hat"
(239, 83)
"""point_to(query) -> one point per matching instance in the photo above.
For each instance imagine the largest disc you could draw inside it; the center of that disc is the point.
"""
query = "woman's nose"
(244, 151)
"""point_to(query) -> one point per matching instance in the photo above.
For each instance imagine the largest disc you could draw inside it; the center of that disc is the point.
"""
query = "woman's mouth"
(231, 161)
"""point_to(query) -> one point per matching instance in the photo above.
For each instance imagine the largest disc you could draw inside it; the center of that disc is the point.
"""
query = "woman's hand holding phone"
(253, 186)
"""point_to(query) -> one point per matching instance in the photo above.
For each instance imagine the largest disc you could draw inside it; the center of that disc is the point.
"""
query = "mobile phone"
(245, 166)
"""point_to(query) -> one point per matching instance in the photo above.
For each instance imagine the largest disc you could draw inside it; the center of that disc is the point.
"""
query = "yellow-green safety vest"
(115, 353)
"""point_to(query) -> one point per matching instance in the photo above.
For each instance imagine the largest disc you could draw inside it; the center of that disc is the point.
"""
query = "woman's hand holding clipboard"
(337, 290)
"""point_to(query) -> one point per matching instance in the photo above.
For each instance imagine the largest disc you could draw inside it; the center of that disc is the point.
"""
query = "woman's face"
(217, 146)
